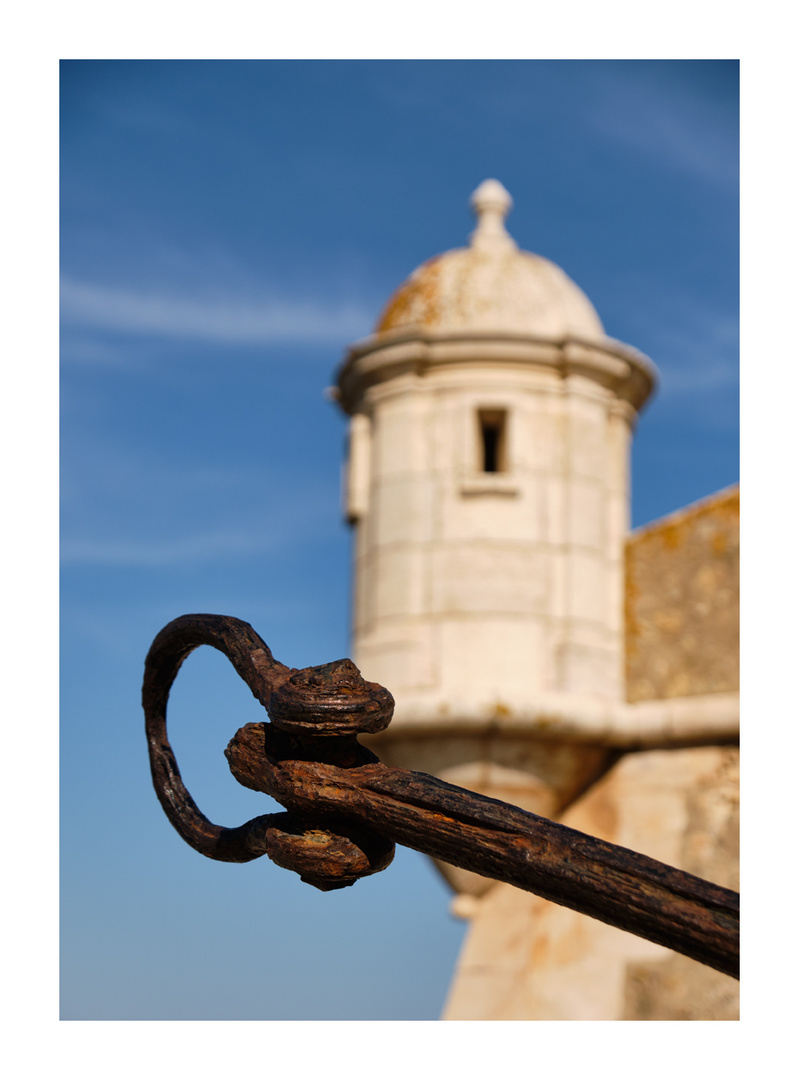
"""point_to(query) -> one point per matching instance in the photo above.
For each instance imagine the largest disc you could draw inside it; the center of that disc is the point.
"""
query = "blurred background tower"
(537, 652)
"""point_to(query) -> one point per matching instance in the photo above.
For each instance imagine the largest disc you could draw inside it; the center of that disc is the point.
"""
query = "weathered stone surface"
(682, 602)
(678, 989)
(526, 636)
(525, 958)
(491, 285)
(491, 584)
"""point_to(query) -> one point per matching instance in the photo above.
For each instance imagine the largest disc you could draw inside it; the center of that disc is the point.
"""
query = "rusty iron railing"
(346, 810)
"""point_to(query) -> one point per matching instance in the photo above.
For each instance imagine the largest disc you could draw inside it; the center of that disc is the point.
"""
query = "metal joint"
(346, 810)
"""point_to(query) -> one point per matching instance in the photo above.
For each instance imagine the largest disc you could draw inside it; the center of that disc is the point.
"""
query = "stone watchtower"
(488, 489)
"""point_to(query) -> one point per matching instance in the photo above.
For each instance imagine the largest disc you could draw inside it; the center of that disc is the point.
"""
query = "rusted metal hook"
(326, 852)
(346, 810)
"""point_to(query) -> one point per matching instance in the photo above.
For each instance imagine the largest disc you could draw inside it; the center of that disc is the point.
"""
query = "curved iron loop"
(613, 884)
(347, 810)
(325, 851)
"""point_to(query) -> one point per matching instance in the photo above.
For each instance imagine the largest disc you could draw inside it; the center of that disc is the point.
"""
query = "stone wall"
(528, 959)
(681, 601)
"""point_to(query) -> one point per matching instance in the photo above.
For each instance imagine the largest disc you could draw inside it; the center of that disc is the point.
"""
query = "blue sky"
(227, 229)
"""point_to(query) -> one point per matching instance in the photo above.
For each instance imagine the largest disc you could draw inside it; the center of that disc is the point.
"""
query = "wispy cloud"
(142, 117)
(192, 547)
(123, 543)
(699, 370)
(88, 349)
(686, 379)
(682, 132)
(173, 516)
(214, 316)
(701, 358)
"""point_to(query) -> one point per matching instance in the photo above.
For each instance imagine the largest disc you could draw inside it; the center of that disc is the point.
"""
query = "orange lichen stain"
(545, 723)
(680, 594)
(632, 593)
(672, 530)
(669, 621)
(707, 579)
(673, 535)
(416, 301)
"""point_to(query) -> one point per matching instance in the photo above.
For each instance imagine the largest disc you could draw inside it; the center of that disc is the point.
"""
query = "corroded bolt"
(330, 700)
(327, 854)
(317, 714)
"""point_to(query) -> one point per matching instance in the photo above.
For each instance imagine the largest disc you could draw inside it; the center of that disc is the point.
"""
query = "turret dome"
(491, 286)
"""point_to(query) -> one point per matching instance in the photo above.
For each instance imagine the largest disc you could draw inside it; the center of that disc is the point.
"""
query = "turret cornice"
(623, 370)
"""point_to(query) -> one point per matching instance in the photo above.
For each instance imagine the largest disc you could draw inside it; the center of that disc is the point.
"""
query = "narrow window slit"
(492, 424)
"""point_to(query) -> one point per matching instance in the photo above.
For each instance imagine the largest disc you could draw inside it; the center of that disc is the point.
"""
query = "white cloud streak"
(124, 543)
(703, 361)
(681, 380)
(214, 317)
(699, 371)
(298, 522)
(192, 548)
(683, 132)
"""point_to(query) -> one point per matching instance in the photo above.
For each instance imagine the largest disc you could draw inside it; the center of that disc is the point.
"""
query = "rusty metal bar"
(346, 810)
